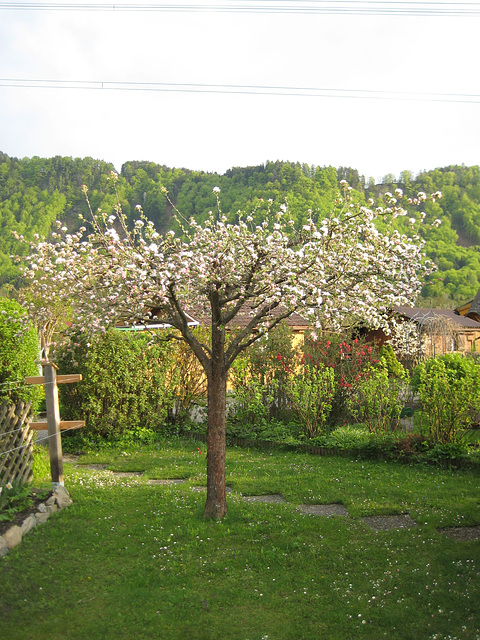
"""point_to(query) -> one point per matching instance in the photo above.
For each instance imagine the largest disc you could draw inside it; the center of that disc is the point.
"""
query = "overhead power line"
(177, 87)
(338, 7)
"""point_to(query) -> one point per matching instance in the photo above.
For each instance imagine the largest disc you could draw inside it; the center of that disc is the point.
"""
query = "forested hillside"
(34, 192)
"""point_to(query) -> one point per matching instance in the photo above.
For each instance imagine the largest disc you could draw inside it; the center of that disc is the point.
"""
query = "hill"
(34, 192)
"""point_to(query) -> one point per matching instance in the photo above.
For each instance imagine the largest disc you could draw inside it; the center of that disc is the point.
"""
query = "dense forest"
(34, 192)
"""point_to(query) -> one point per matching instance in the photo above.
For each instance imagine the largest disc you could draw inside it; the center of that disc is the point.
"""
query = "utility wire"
(22, 446)
(339, 7)
(7, 433)
(313, 92)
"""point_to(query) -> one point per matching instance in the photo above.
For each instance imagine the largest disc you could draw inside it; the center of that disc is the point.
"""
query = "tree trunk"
(216, 505)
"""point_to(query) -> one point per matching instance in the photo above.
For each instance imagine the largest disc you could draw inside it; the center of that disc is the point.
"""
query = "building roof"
(243, 317)
(200, 317)
(420, 314)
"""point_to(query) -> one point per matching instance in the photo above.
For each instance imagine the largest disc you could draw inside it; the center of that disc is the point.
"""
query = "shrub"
(412, 444)
(347, 437)
(18, 353)
(377, 399)
(186, 377)
(350, 359)
(252, 398)
(311, 392)
(457, 367)
(259, 378)
(449, 392)
(124, 386)
(394, 367)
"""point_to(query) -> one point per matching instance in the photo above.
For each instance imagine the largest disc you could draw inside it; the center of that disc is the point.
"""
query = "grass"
(132, 560)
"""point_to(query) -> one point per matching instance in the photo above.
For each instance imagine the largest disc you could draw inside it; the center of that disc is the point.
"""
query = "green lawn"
(129, 560)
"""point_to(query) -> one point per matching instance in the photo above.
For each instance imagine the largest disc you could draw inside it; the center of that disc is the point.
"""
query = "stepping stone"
(461, 533)
(166, 481)
(271, 498)
(386, 523)
(128, 474)
(327, 510)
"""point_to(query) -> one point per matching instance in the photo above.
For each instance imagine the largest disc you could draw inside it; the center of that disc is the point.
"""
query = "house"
(420, 332)
(442, 330)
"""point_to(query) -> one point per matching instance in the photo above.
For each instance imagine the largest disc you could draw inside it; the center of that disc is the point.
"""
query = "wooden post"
(50, 380)
(53, 422)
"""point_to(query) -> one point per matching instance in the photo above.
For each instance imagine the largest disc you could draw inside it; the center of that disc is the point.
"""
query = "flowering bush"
(350, 360)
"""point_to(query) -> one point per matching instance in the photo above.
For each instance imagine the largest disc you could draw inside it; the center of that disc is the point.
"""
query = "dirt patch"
(326, 510)
(386, 523)
(461, 533)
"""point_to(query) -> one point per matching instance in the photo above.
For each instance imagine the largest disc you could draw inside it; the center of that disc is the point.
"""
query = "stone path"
(377, 523)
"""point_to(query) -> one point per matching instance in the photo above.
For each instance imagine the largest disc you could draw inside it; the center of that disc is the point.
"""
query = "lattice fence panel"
(16, 446)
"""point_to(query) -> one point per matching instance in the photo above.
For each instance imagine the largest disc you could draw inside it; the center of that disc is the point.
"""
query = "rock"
(3, 547)
(52, 508)
(61, 497)
(50, 501)
(28, 524)
(42, 508)
(13, 536)
(42, 517)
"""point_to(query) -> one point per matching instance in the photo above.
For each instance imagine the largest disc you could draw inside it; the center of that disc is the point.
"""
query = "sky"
(378, 92)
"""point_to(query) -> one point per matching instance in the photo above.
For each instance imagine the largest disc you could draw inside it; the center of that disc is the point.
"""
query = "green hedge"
(126, 382)
(18, 355)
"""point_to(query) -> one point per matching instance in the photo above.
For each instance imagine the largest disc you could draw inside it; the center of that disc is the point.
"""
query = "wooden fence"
(16, 446)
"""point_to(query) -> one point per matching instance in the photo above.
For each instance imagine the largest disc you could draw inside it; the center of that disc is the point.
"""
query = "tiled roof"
(202, 317)
(245, 314)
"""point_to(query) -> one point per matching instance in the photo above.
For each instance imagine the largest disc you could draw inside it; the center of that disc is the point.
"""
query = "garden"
(351, 479)
(133, 556)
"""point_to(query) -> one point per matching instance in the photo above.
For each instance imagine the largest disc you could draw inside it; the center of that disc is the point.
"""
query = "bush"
(18, 353)
(394, 367)
(259, 378)
(449, 392)
(125, 383)
(310, 392)
(186, 378)
(348, 437)
(350, 359)
(377, 399)
(457, 367)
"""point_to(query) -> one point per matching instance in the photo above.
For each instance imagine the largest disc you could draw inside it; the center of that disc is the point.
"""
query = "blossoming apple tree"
(339, 268)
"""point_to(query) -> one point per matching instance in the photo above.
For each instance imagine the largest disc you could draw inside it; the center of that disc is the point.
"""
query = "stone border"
(56, 502)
